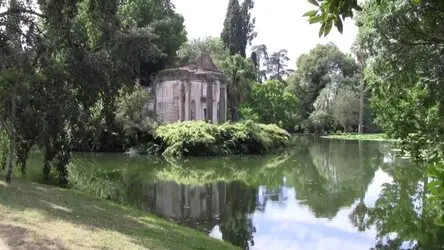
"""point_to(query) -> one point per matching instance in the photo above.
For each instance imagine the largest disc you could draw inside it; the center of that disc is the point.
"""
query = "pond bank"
(40, 216)
(359, 137)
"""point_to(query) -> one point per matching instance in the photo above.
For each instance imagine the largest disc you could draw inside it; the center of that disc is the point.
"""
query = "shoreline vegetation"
(41, 216)
(199, 138)
(360, 137)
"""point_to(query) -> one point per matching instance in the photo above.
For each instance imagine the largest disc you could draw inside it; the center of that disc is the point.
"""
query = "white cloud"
(293, 225)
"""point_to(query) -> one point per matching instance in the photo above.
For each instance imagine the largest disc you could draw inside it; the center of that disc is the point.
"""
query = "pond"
(319, 194)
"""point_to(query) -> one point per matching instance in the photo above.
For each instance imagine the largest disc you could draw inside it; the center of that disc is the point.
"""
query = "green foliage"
(196, 138)
(325, 83)
(271, 105)
(318, 122)
(360, 137)
(404, 74)
(346, 108)
(212, 46)
(276, 65)
(133, 116)
(161, 18)
(240, 72)
(260, 58)
(247, 113)
(74, 65)
(325, 64)
(334, 12)
(331, 13)
(436, 188)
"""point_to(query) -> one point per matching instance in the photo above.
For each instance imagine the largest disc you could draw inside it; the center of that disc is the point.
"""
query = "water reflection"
(321, 194)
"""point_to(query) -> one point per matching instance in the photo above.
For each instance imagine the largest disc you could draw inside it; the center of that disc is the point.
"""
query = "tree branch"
(21, 10)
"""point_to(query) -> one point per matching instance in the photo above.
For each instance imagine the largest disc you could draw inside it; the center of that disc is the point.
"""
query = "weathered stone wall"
(183, 101)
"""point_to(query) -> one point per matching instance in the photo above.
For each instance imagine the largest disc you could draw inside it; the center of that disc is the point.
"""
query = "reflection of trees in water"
(237, 225)
(333, 174)
(326, 174)
(402, 209)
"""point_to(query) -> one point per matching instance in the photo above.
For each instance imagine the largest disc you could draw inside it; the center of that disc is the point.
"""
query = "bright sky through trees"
(279, 23)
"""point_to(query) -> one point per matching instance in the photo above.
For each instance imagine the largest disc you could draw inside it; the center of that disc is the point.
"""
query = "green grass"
(359, 137)
(35, 216)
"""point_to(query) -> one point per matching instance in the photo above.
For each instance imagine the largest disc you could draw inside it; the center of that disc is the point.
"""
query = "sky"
(280, 25)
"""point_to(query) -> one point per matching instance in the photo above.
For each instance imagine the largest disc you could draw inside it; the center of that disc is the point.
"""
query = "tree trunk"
(234, 114)
(361, 109)
(12, 157)
(361, 100)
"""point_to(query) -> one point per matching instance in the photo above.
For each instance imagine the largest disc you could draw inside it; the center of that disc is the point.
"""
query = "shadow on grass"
(21, 238)
(59, 204)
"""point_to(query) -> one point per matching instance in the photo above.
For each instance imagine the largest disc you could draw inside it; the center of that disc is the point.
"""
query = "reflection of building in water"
(227, 206)
(190, 204)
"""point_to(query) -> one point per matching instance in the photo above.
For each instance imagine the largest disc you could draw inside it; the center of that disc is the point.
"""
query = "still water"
(320, 194)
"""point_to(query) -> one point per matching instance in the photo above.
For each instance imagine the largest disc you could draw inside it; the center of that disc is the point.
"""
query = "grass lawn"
(35, 216)
(359, 137)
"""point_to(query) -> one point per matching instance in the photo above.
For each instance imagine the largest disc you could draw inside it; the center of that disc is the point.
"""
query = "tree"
(404, 73)
(248, 25)
(323, 65)
(360, 54)
(70, 56)
(277, 66)
(346, 109)
(18, 51)
(212, 46)
(160, 16)
(272, 105)
(260, 60)
(240, 73)
(134, 117)
(238, 29)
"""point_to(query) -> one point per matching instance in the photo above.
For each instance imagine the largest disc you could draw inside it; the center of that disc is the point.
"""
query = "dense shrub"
(134, 118)
(198, 138)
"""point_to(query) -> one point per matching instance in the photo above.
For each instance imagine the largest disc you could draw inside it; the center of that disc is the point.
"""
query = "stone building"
(194, 92)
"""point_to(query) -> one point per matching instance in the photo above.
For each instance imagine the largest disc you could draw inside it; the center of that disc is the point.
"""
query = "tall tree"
(317, 69)
(277, 67)
(360, 54)
(19, 52)
(241, 74)
(70, 56)
(261, 59)
(167, 24)
(238, 29)
(248, 25)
